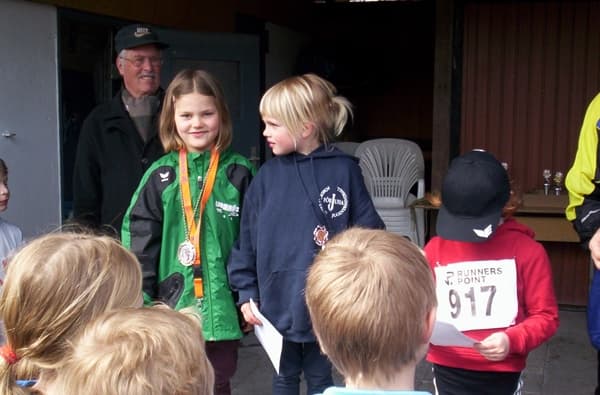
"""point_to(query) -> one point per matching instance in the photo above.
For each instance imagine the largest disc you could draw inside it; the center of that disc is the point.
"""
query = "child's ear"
(308, 128)
(429, 324)
(427, 332)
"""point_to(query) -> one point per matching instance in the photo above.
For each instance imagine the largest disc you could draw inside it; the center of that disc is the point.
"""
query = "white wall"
(29, 138)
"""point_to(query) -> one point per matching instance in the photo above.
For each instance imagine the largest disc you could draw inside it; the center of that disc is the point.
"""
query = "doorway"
(88, 77)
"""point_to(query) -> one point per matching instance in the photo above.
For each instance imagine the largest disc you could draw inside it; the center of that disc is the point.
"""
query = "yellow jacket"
(583, 179)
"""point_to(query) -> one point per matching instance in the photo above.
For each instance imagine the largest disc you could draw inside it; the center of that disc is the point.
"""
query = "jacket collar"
(323, 151)
(117, 118)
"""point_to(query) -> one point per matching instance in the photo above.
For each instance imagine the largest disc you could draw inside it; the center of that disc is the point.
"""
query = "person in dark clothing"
(308, 193)
(584, 211)
(119, 139)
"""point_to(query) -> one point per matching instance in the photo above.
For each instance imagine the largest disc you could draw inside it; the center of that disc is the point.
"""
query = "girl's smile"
(197, 121)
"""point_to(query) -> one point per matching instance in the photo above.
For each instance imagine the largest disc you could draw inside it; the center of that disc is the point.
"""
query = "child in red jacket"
(493, 282)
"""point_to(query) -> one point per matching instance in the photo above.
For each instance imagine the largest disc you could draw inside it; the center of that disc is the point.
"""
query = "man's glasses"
(138, 61)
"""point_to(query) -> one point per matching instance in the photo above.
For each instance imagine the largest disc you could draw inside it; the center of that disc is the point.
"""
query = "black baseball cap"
(132, 36)
(474, 192)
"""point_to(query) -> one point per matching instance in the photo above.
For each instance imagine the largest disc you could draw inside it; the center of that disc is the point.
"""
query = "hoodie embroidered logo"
(333, 203)
(484, 233)
(164, 177)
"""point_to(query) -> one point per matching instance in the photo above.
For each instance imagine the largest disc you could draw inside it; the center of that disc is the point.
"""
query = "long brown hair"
(54, 285)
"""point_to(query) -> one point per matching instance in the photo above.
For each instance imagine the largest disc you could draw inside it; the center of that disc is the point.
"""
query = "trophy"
(547, 173)
(558, 177)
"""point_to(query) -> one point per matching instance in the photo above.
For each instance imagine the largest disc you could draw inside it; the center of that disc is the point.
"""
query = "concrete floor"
(564, 365)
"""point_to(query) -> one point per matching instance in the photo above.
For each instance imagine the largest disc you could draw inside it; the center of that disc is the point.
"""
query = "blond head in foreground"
(139, 351)
(54, 286)
(371, 298)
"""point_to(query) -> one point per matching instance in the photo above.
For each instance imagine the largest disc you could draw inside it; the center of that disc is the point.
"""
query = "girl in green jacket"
(184, 215)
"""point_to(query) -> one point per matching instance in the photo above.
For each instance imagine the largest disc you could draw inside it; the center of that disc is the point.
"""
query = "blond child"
(372, 302)
(309, 192)
(137, 351)
(185, 215)
(54, 286)
(494, 281)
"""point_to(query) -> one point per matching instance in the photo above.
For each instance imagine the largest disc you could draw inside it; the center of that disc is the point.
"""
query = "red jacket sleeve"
(537, 302)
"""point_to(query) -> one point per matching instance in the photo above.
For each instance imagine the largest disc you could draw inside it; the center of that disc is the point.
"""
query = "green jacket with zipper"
(154, 227)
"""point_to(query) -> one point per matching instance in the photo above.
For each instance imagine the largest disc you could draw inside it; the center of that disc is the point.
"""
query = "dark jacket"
(111, 159)
(583, 184)
(289, 197)
(583, 179)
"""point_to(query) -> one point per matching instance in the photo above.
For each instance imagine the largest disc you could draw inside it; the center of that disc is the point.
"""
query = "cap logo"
(484, 233)
(141, 32)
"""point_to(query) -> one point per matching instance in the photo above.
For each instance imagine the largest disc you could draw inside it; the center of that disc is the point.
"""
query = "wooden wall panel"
(529, 70)
(571, 271)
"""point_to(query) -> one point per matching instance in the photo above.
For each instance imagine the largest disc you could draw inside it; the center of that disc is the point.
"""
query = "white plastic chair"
(391, 168)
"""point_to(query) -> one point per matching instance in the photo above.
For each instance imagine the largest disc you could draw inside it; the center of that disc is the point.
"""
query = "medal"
(186, 253)
(320, 235)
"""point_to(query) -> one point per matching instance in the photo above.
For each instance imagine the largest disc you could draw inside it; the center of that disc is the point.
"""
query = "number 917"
(455, 300)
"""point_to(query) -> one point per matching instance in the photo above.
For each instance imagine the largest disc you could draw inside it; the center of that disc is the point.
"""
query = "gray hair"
(122, 55)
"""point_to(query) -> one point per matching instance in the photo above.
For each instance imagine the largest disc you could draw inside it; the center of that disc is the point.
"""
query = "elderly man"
(119, 139)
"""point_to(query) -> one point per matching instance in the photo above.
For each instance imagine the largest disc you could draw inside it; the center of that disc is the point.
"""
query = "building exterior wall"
(529, 69)
(210, 16)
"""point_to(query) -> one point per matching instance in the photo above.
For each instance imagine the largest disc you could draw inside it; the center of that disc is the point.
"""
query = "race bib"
(477, 294)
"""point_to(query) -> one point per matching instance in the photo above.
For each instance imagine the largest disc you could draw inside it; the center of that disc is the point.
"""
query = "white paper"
(268, 336)
(445, 334)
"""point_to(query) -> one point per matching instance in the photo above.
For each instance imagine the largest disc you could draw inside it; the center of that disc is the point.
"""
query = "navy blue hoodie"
(289, 197)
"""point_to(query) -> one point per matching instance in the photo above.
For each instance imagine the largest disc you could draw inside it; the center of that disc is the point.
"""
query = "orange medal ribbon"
(186, 196)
